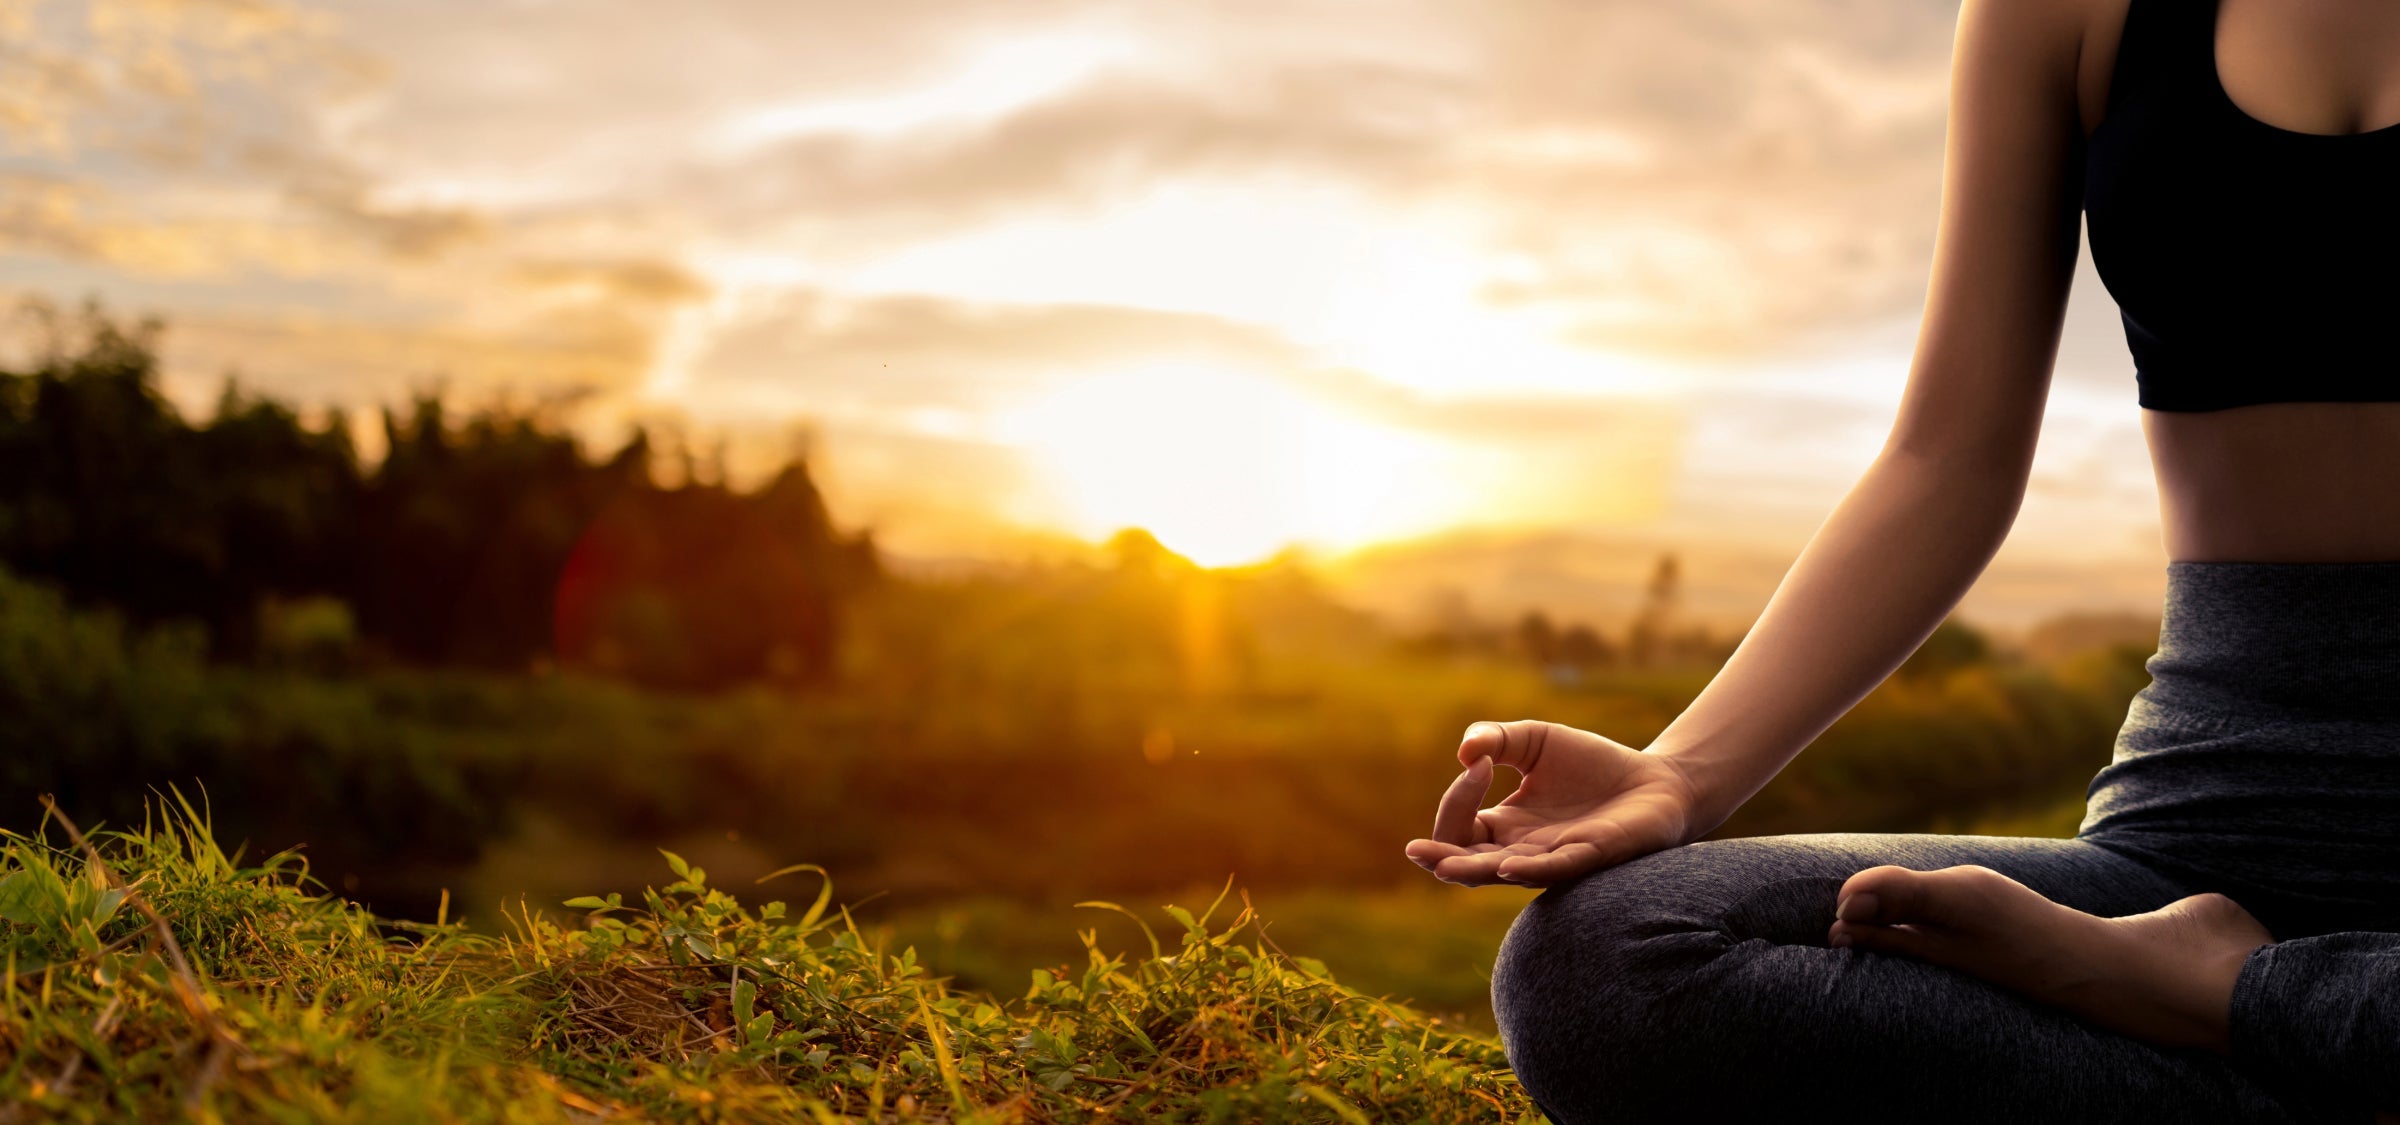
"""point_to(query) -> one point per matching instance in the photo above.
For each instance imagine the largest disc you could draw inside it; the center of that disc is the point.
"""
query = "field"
(380, 762)
(967, 788)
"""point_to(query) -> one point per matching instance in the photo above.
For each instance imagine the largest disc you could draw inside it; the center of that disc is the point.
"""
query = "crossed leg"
(1697, 984)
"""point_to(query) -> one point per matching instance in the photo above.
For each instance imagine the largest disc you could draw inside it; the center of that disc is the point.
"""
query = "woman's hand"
(1585, 803)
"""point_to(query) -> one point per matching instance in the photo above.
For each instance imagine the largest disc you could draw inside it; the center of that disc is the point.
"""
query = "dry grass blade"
(188, 987)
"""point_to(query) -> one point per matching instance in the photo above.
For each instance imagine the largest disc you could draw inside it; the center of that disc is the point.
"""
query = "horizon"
(1487, 572)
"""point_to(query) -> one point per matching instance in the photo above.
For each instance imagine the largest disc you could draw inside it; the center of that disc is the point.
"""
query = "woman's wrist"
(1708, 797)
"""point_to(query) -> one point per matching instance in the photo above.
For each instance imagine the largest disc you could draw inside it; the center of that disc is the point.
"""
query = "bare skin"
(2287, 482)
(1585, 803)
(2165, 977)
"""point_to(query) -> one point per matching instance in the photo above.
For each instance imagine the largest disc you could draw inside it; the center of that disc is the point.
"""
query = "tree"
(1646, 641)
(1583, 647)
(485, 539)
(1537, 639)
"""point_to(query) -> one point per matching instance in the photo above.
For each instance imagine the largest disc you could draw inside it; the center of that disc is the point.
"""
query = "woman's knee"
(1600, 988)
(1654, 915)
(1577, 985)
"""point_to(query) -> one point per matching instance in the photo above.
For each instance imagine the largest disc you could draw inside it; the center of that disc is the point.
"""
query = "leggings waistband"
(2321, 638)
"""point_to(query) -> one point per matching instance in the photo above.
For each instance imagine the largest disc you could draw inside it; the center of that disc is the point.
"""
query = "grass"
(150, 975)
(1427, 944)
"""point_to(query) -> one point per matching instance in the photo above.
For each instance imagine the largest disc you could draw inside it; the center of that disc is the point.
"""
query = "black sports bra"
(2250, 263)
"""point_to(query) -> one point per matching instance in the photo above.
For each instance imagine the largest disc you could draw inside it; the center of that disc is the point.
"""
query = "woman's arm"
(1898, 552)
(1910, 538)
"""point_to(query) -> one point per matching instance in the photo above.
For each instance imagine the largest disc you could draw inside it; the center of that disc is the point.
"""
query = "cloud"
(808, 349)
(344, 202)
(161, 77)
(635, 280)
(1717, 176)
(765, 209)
(1791, 171)
(1104, 142)
(322, 358)
(886, 357)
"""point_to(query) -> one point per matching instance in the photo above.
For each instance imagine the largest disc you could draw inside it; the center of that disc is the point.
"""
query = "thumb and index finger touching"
(1484, 746)
(1454, 820)
(1517, 744)
(1457, 828)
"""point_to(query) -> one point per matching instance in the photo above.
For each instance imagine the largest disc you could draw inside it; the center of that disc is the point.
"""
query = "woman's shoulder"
(2103, 31)
(2070, 43)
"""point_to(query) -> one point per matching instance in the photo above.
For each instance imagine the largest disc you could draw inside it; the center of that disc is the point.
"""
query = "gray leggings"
(1695, 985)
(2262, 762)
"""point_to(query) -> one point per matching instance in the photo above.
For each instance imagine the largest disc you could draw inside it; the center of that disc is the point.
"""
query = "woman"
(2213, 945)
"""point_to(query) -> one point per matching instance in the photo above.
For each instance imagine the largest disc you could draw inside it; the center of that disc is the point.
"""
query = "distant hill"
(2070, 634)
(1599, 577)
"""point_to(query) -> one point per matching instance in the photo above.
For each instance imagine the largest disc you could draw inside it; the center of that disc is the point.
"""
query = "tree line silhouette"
(485, 539)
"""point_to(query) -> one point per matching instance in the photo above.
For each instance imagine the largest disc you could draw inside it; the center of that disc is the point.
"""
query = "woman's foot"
(2165, 977)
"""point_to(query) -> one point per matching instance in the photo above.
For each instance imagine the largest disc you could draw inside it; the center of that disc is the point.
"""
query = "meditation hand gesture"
(1585, 803)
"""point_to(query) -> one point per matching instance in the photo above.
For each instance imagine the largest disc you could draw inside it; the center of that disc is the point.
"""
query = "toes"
(1949, 897)
(1902, 940)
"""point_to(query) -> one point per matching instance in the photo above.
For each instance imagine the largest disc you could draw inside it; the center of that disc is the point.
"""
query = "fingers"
(1527, 863)
(1426, 853)
(1515, 744)
(1558, 865)
(1454, 821)
(1479, 866)
(1580, 850)
(1544, 856)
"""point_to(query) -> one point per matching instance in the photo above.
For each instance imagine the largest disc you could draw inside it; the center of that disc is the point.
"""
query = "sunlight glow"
(1397, 295)
(1227, 468)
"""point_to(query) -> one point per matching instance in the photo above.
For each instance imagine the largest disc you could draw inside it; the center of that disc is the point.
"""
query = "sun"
(1225, 467)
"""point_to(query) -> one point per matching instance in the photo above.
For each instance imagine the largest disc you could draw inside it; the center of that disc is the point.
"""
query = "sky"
(1247, 273)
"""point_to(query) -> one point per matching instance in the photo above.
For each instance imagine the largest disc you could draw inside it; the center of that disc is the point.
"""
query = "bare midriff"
(2279, 482)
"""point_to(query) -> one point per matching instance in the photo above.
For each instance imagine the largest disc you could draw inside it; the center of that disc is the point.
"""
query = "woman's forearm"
(1889, 563)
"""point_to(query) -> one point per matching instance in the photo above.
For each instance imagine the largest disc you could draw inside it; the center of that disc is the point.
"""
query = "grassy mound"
(149, 975)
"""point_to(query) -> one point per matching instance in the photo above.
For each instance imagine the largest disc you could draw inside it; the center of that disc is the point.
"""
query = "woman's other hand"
(1585, 802)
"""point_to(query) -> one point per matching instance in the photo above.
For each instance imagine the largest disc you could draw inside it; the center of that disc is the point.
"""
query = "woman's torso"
(2248, 226)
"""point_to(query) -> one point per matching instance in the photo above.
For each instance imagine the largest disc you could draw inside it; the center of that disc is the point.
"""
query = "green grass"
(150, 975)
(1428, 945)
